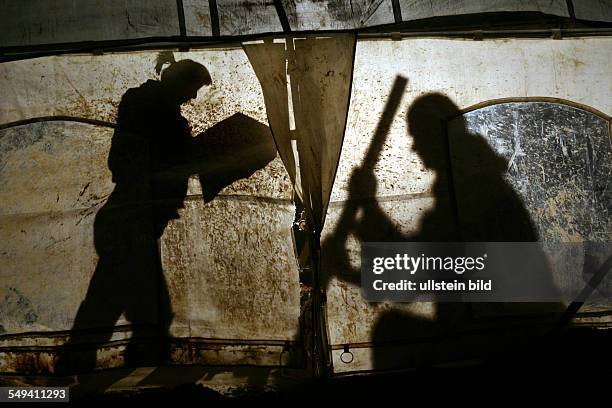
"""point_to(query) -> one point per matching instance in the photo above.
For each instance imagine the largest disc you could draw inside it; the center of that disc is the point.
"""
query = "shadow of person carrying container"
(152, 157)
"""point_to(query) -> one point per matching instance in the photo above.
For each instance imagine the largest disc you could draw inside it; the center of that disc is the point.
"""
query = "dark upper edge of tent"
(42, 27)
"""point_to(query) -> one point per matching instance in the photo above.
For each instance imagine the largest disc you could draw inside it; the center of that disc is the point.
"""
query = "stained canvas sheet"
(407, 192)
(42, 22)
(593, 10)
(66, 214)
(63, 21)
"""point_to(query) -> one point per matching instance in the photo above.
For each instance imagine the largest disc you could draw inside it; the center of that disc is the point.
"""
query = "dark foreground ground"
(571, 369)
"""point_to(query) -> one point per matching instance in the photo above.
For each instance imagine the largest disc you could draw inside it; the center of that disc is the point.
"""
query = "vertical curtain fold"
(306, 83)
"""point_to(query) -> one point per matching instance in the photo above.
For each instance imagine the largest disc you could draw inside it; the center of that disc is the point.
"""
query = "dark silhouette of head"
(181, 79)
(427, 119)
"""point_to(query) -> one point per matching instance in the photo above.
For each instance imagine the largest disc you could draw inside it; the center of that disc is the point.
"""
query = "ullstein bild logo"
(485, 272)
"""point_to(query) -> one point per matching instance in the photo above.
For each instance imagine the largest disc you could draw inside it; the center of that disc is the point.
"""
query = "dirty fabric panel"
(379, 13)
(320, 88)
(466, 73)
(398, 219)
(309, 132)
(230, 270)
(197, 18)
(269, 60)
(418, 9)
(236, 216)
(535, 171)
(227, 255)
(91, 86)
(557, 159)
(88, 86)
(337, 14)
(594, 10)
(60, 21)
(237, 17)
(54, 180)
(375, 327)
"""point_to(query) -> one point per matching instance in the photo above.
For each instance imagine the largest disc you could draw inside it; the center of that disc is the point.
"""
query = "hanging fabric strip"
(306, 83)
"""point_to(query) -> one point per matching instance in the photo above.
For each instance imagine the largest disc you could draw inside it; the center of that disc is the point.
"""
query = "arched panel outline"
(542, 99)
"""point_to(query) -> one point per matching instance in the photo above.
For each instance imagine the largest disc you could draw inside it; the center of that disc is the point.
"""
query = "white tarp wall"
(228, 264)
(468, 73)
(233, 276)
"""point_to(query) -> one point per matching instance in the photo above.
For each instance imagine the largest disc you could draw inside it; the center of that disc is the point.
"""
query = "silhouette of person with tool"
(364, 219)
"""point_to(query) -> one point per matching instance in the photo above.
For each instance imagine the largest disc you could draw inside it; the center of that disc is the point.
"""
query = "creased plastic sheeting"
(60, 21)
(308, 127)
(418, 9)
(596, 10)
